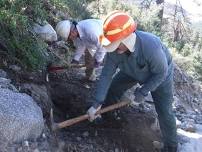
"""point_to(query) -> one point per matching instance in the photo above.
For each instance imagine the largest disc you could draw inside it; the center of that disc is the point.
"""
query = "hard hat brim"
(129, 42)
(104, 41)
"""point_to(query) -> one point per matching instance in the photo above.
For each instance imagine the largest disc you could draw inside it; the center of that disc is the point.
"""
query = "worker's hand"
(74, 61)
(97, 64)
(92, 112)
(139, 97)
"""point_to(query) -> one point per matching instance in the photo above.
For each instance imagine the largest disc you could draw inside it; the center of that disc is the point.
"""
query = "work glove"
(74, 61)
(139, 97)
(92, 112)
(97, 64)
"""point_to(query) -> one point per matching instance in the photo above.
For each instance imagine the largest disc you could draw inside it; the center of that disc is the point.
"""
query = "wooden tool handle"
(86, 116)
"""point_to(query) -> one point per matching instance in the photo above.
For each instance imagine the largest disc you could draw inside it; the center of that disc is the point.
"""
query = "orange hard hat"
(117, 25)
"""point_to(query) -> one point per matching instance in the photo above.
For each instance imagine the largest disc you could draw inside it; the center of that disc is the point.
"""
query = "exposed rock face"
(20, 116)
(188, 94)
(40, 94)
(135, 128)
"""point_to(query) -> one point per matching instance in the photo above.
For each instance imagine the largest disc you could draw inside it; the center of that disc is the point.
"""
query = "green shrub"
(186, 63)
(16, 21)
(198, 65)
(77, 9)
(187, 50)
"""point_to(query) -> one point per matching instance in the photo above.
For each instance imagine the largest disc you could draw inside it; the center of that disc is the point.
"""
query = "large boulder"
(6, 84)
(20, 117)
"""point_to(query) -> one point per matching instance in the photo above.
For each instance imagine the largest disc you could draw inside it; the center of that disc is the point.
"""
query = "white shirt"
(90, 31)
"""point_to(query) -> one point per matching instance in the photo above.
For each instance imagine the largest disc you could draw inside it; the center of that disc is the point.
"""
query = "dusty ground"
(131, 133)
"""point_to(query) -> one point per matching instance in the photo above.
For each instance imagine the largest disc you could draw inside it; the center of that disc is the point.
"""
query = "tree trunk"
(160, 14)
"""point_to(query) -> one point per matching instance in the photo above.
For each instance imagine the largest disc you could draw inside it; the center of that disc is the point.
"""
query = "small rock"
(15, 68)
(78, 138)
(189, 126)
(26, 143)
(91, 146)
(61, 145)
(157, 145)
(3, 73)
(44, 135)
(86, 86)
(178, 123)
(197, 111)
(86, 134)
(5, 63)
(36, 150)
(155, 125)
(61, 44)
(116, 150)
(96, 133)
(19, 149)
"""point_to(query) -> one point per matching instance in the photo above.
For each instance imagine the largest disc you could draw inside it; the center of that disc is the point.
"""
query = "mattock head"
(53, 124)
(47, 72)
(47, 77)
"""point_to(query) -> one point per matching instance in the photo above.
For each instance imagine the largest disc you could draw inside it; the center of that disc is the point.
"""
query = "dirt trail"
(132, 133)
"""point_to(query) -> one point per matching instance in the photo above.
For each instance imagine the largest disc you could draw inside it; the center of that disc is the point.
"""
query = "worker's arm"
(109, 69)
(103, 85)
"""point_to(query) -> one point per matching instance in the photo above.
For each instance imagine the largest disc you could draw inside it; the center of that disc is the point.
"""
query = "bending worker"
(141, 58)
(85, 36)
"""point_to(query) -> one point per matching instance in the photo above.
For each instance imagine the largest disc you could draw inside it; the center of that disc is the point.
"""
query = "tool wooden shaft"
(86, 116)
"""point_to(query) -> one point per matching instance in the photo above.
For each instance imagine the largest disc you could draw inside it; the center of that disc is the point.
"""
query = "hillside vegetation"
(19, 45)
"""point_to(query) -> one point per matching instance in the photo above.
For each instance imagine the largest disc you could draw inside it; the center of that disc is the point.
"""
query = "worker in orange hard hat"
(141, 58)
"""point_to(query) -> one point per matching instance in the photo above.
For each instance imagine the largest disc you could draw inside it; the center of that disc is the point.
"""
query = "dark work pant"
(163, 98)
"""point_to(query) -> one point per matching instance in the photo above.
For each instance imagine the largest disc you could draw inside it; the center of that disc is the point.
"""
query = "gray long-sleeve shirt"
(148, 65)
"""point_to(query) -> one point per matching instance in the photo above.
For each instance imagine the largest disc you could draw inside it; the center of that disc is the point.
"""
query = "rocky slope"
(134, 130)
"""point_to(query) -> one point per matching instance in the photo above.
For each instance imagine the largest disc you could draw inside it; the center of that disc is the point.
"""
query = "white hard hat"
(63, 29)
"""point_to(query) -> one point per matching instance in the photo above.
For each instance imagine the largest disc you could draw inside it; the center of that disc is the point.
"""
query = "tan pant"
(90, 69)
